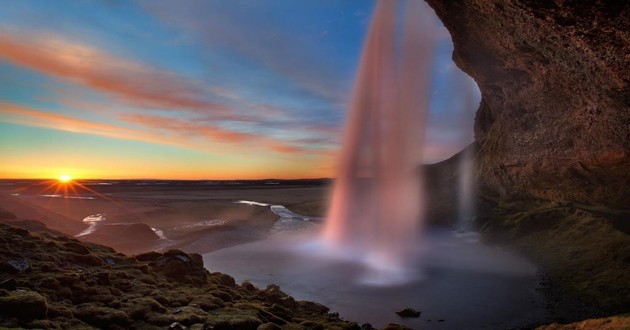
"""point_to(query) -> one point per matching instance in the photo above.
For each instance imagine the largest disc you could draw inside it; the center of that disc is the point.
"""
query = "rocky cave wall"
(554, 120)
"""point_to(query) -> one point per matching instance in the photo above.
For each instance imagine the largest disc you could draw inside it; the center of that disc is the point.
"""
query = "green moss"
(233, 318)
(103, 317)
(582, 252)
(24, 305)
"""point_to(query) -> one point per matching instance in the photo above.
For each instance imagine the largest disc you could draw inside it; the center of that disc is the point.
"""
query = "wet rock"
(15, 266)
(408, 312)
(10, 284)
(24, 305)
(367, 326)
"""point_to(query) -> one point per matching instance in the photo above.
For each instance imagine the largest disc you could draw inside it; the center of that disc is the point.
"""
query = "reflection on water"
(457, 278)
(251, 203)
(65, 196)
(200, 224)
(160, 233)
(93, 220)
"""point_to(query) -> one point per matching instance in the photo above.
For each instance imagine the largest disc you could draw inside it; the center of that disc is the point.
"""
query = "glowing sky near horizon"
(194, 89)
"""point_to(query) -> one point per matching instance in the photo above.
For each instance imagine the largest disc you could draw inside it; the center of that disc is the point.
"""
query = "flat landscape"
(136, 216)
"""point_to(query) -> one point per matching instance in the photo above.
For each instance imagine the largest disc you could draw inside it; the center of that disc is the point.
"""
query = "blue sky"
(194, 89)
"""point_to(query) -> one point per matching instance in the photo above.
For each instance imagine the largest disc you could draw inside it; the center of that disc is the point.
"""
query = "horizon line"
(172, 179)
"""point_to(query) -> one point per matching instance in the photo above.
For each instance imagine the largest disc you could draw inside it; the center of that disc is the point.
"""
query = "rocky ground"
(52, 281)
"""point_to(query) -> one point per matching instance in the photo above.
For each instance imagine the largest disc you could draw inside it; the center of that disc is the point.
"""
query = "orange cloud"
(188, 128)
(25, 116)
(181, 131)
(93, 68)
(213, 133)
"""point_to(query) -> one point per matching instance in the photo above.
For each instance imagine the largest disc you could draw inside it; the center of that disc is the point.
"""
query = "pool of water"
(456, 282)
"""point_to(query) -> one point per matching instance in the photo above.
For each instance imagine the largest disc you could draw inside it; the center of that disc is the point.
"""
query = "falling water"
(377, 202)
(466, 190)
(466, 167)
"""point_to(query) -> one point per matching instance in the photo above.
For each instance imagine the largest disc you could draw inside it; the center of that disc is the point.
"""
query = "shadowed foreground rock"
(72, 284)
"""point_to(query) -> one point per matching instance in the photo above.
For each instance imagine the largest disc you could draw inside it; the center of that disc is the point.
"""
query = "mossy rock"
(102, 317)
(233, 319)
(24, 305)
(269, 326)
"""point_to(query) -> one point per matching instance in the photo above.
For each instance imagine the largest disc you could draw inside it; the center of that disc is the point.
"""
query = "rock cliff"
(554, 120)
(553, 136)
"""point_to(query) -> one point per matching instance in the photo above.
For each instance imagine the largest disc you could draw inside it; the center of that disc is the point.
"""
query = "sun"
(65, 178)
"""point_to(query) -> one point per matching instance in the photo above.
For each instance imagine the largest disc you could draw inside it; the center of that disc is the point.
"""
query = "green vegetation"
(584, 251)
(56, 282)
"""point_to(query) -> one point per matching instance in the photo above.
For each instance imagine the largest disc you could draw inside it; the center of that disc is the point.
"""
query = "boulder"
(408, 312)
(181, 266)
(24, 305)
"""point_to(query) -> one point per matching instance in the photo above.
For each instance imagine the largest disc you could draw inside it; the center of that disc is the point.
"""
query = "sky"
(195, 89)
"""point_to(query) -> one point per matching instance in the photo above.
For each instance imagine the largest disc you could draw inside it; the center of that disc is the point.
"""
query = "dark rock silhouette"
(408, 312)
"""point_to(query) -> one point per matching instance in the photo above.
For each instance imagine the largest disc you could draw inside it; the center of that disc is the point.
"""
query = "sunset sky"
(194, 89)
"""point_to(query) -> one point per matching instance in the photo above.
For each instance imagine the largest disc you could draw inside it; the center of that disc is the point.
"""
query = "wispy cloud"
(187, 128)
(30, 117)
(192, 129)
(154, 129)
(243, 30)
(123, 79)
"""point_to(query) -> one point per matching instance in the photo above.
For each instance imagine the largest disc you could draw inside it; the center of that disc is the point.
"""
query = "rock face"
(554, 120)
(553, 137)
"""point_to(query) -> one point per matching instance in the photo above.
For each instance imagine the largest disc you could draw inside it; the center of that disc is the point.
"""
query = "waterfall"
(376, 208)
